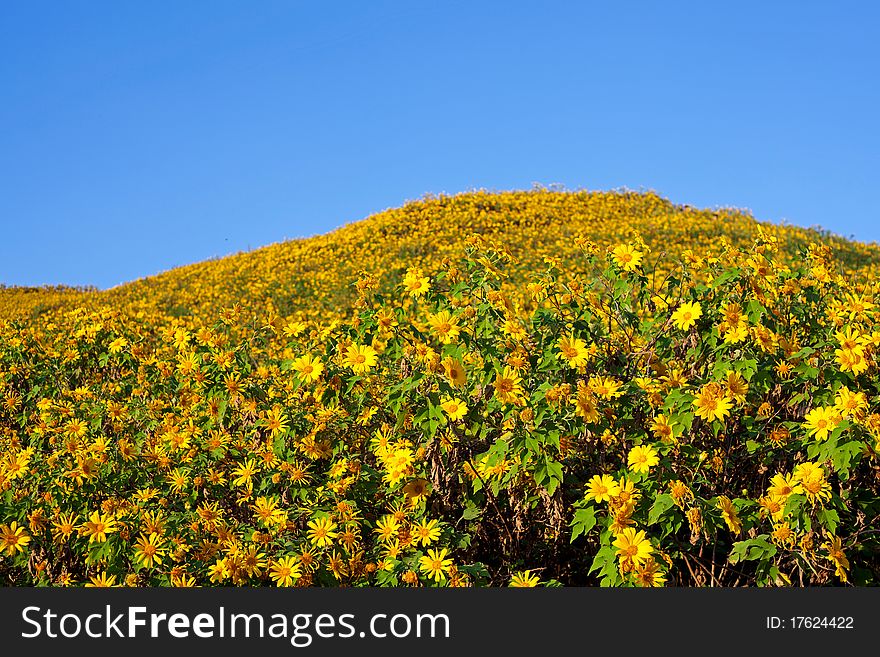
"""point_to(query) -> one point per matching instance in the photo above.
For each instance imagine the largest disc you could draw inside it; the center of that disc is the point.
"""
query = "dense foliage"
(632, 412)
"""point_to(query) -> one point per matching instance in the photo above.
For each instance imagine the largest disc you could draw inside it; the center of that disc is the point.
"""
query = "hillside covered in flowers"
(524, 388)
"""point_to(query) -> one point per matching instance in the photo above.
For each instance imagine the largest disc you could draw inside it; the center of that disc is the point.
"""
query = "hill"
(309, 278)
(527, 388)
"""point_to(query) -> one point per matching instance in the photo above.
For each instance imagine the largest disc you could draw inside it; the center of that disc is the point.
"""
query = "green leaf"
(603, 557)
(584, 520)
(728, 275)
(662, 503)
(471, 512)
(844, 456)
(793, 503)
(752, 549)
(554, 474)
(829, 518)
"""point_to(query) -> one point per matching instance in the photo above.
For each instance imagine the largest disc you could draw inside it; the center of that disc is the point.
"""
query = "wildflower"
(585, 405)
(322, 532)
(455, 409)
(454, 371)
(649, 574)
(524, 579)
(662, 428)
(387, 528)
(602, 488)
(633, 546)
(574, 351)
(102, 580)
(308, 367)
(148, 550)
(13, 538)
(97, 527)
(435, 564)
(711, 403)
(687, 315)
(834, 547)
(243, 474)
(117, 345)
(812, 479)
(64, 526)
(681, 493)
(426, 532)
(416, 490)
(508, 386)
(850, 404)
(852, 360)
(729, 514)
(627, 257)
(285, 571)
(360, 358)
(604, 386)
(444, 327)
(821, 421)
(642, 458)
(415, 283)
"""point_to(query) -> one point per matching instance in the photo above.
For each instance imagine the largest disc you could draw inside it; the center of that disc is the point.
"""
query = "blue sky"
(135, 137)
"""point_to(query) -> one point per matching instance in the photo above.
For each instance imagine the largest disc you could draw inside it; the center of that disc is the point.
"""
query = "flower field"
(526, 388)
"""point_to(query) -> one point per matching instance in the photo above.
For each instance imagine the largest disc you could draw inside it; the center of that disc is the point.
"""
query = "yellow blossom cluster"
(526, 388)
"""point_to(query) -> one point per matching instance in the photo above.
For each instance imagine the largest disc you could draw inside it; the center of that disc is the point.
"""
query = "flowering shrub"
(612, 417)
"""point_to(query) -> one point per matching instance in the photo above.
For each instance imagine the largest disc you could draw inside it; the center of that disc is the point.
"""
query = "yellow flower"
(649, 574)
(64, 526)
(573, 351)
(850, 404)
(416, 490)
(426, 532)
(360, 358)
(148, 550)
(455, 409)
(276, 421)
(508, 386)
(243, 474)
(444, 327)
(387, 528)
(821, 421)
(812, 479)
(711, 403)
(117, 345)
(782, 486)
(836, 555)
(13, 538)
(97, 527)
(852, 360)
(524, 579)
(633, 546)
(454, 371)
(415, 283)
(627, 257)
(728, 512)
(308, 367)
(585, 405)
(604, 386)
(268, 512)
(687, 315)
(322, 531)
(663, 428)
(435, 564)
(285, 571)
(104, 580)
(642, 458)
(602, 488)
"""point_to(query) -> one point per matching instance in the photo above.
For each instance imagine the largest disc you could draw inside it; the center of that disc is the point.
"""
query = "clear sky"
(138, 136)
